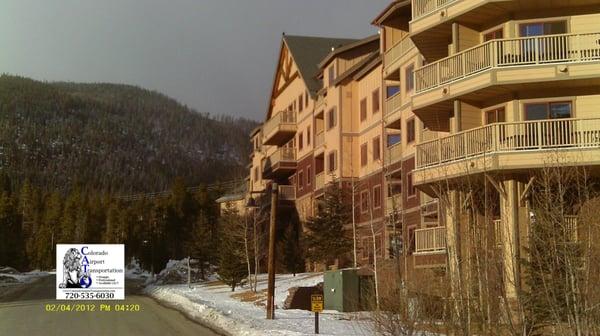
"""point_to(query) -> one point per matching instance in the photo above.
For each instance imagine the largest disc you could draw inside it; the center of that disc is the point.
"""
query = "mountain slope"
(112, 137)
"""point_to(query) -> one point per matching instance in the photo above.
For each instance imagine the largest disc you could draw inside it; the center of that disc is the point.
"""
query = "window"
(331, 119)
(300, 103)
(367, 246)
(300, 141)
(543, 28)
(308, 136)
(255, 174)
(306, 99)
(411, 240)
(332, 162)
(494, 35)
(410, 185)
(409, 75)
(376, 149)
(376, 101)
(395, 188)
(364, 201)
(331, 75)
(553, 110)
(495, 115)
(300, 180)
(377, 197)
(363, 109)
(391, 90)
(363, 155)
(410, 130)
(393, 139)
(308, 176)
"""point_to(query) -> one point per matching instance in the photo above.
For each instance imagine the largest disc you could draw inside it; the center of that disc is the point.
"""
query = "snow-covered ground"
(243, 313)
(9, 276)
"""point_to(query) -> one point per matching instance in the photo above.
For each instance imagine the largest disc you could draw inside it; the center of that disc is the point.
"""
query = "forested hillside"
(112, 138)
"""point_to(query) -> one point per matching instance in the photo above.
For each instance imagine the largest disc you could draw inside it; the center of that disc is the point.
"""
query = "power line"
(237, 185)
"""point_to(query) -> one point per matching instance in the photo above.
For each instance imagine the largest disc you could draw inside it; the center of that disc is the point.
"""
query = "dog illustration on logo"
(73, 273)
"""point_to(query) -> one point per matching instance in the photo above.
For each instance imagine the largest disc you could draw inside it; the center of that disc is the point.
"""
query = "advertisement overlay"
(90, 272)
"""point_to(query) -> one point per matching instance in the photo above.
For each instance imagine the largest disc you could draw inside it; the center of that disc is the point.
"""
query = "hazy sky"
(216, 56)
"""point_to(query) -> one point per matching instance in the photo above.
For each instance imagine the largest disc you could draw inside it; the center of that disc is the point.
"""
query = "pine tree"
(12, 251)
(232, 266)
(326, 238)
(293, 256)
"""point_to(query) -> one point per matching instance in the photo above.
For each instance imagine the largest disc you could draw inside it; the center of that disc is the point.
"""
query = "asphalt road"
(23, 312)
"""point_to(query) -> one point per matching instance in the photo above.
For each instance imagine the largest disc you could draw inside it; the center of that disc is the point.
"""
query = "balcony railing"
(319, 139)
(430, 240)
(510, 136)
(424, 7)
(278, 120)
(394, 204)
(562, 48)
(393, 103)
(398, 50)
(320, 181)
(393, 153)
(287, 192)
(287, 154)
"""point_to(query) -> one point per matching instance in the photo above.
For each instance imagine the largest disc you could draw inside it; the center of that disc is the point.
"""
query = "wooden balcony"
(531, 62)
(431, 240)
(509, 146)
(319, 139)
(392, 57)
(287, 193)
(280, 164)
(393, 153)
(280, 128)
(393, 104)
(320, 181)
(393, 205)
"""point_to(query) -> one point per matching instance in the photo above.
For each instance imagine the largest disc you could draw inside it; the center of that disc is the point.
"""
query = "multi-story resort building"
(450, 93)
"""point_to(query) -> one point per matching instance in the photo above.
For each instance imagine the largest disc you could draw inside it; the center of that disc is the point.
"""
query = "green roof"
(308, 52)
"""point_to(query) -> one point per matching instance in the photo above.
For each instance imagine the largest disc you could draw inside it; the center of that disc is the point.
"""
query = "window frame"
(375, 104)
(363, 109)
(364, 208)
(411, 191)
(377, 205)
(301, 180)
(308, 175)
(411, 130)
(364, 154)
(331, 168)
(376, 151)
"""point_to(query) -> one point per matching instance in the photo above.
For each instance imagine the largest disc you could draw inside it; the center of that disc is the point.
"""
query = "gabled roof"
(332, 54)
(404, 5)
(307, 52)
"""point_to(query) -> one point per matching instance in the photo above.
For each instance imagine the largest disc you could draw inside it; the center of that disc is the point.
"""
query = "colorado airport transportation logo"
(90, 272)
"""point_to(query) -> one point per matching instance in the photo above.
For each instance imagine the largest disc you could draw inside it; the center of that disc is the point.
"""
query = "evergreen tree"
(293, 256)
(232, 266)
(326, 238)
(12, 251)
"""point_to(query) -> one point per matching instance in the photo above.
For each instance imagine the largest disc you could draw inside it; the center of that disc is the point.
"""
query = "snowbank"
(10, 276)
(242, 312)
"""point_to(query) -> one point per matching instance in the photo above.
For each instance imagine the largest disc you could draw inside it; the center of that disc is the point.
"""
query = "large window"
(377, 197)
(493, 35)
(363, 155)
(363, 109)
(495, 115)
(364, 201)
(391, 90)
(410, 185)
(331, 75)
(543, 28)
(393, 139)
(331, 119)
(376, 149)
(410, 78)
(410, 131)
(376, 101)
(332, 162)
(548, 110)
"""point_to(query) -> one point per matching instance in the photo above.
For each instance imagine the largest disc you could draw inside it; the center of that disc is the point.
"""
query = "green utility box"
(347, 290)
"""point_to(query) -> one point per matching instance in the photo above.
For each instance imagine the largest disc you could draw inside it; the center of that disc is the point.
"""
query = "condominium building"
(450, 93)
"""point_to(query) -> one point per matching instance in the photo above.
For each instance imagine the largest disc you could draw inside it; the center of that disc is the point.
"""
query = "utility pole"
(271, 284)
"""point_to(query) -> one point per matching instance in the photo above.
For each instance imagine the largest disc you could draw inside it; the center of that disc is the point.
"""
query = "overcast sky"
(217, 56)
